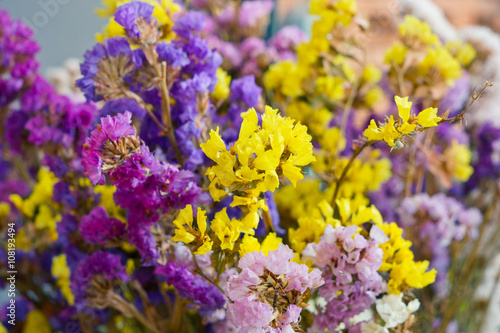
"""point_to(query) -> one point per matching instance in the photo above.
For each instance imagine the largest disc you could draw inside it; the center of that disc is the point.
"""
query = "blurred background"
(66, 28)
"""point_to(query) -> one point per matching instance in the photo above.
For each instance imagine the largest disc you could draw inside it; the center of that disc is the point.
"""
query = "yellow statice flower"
(330, 87)
(163, 12)
(415, 32)
(371, 74)
(106, 192)
(457, 159)
(396, 54)
(464, 53)
(4, 210)
(36, 322)
(340, 12)
(439, 64)
(316, 120)
(39, 206)
(185, 231)
(352, 215)
(61, 272)
(260, 159)
(392, 130)
(405, 273)
(311, 226)
(366, 174)
(226, 230)
(373, 95)
(285, 77)
(221, 91)
(251, 244)
(302, 200)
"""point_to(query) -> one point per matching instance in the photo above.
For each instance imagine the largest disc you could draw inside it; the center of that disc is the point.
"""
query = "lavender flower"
(440, 220)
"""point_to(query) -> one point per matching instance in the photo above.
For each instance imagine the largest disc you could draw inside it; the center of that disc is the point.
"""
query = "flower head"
(270, 291)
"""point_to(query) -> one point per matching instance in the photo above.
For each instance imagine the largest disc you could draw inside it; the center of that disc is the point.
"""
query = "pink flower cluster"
(350, 263)
(268, 293)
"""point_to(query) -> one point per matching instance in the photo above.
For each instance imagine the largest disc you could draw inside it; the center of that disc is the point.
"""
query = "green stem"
(203, 274)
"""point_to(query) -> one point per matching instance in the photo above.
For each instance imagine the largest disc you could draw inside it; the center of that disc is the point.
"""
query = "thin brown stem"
(475, 97)
(268, 221)
(346, 169)
(161, 72)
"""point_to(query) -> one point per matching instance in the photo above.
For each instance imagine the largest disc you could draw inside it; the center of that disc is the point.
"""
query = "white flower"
(394, 311)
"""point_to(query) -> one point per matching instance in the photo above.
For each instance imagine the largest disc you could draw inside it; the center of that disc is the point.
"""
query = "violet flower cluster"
(440, 220)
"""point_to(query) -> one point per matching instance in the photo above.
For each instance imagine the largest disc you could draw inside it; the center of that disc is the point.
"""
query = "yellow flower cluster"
(221, 91)
(415, 33)
(223, 234)
(464, 53)
(61, 272)
(163, 12)
(322, 73)
(250, 244)
(457, 159)
(405, 273)
(392, 131)
(421, 65)
(366, 174)
(187, 233)
(258, 161)
(106, 192)
(37, 322)
(312, 224)
(39, 206)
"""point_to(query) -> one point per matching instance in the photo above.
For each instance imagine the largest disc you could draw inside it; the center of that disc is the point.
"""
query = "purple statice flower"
(253, 291)
(99, 263)
(440, 221)
(174, 56)
(229, 51)
(349, 262)
(140, 236)
(189, 24)
(17, 58)
(251, 13)
(111, 49)
(62, 194)
(205, 296)
(487, 162)
(129, 14)
(98, 228)
(286, 40)
(45, 118)
(245, 94)
(386, 199)
(121, 105)
(109, 145)
(245, 90)
(56, 165)
(146, 187)
(256, 56)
